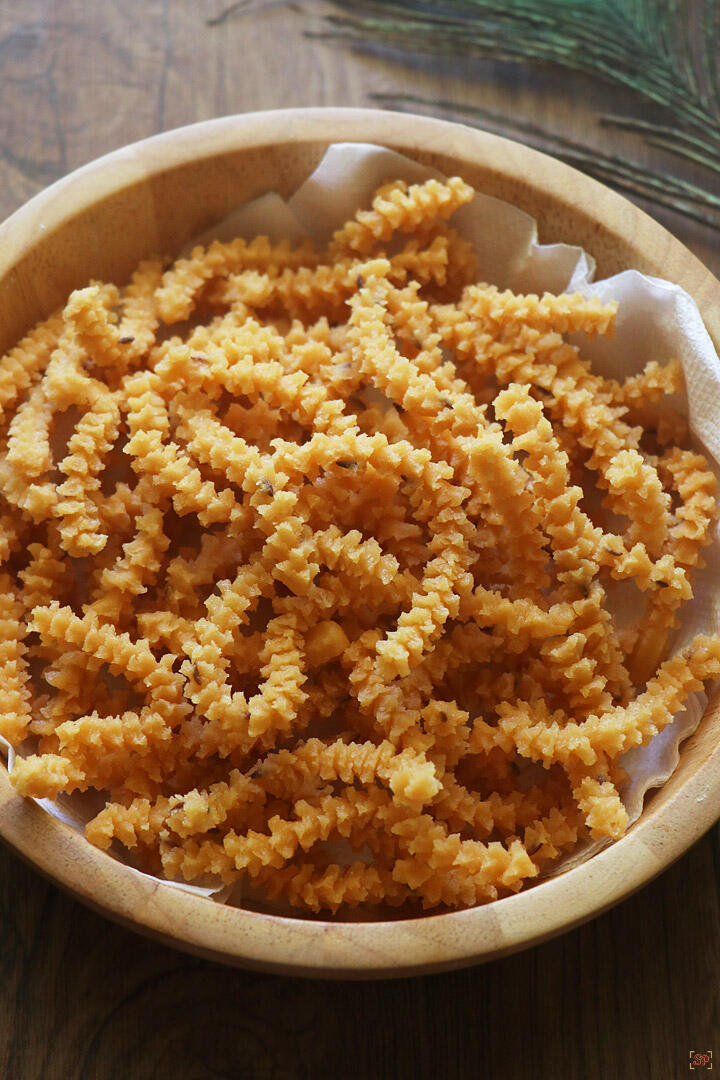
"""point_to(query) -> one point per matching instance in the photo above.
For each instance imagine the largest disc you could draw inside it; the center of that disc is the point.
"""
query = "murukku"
(28, 457)
(565, 314)
(15, 694)
(648, 387)
(94, 752)
(399, 208)
(45, 575)
(171, 470)
(306, 292)
(318, 591)
(28, 444)
(192, 569)
(137, 568)
(695, 485)
(326, 888)
(185, 279)
(95, 433)
(139, 318)
(573, 537)
(37, 500)
(20, 367)
(67, 674)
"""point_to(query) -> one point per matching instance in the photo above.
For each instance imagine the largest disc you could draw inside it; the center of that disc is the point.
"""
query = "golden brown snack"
(306, 565)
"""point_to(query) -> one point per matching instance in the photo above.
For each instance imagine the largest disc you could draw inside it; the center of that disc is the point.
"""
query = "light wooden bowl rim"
(410, 946)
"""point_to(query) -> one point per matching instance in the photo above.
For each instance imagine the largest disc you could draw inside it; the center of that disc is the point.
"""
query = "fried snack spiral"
(307, 566)
(94, 436)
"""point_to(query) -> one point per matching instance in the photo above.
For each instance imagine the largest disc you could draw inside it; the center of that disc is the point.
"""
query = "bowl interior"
(152, 198)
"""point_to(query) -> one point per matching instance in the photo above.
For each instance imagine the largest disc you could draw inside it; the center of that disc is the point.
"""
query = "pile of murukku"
(310, 558)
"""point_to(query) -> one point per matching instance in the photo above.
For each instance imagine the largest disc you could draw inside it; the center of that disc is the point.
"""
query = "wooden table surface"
(627, 996)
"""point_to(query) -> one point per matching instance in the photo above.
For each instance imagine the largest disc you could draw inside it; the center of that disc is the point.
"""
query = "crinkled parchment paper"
(656, 321)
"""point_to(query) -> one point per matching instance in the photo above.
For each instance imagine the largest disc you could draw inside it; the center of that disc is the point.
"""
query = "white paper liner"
(656, 321)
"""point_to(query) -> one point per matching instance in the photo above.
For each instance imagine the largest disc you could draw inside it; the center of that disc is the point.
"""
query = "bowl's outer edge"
(675, 818)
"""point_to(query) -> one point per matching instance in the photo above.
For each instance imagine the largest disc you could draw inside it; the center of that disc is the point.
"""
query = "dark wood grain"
(627, 996)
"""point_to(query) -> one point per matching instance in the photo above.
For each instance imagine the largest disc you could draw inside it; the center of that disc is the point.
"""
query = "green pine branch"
(664, 51)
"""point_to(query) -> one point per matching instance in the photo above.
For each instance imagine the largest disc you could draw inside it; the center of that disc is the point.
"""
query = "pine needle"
(664, 51)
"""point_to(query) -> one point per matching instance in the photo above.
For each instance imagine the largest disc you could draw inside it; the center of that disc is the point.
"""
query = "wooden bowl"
(152, 197)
